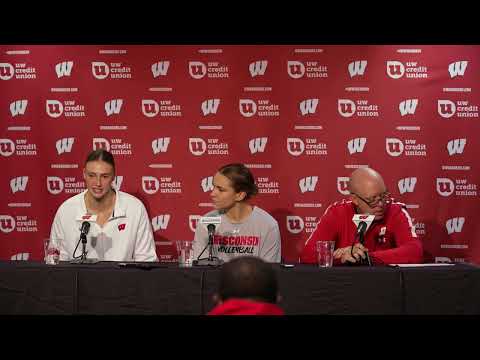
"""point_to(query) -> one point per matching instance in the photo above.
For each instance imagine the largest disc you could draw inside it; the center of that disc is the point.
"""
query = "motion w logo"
(407, 185)
(356, 145)
(160, 68)
(308, 183)
(160, 222)
(258, 67)
(257, 145)
(117, 182)
(20, 256)
(408, 106)
(160, 145)
(207, 184)
(18, 184)
(113, 106)
(357, 67)
(64, 145)
(210, 106)
(64, 68)
(455, 225)
(456, 146)
(18, 107)
(457, 68)
(308, 106)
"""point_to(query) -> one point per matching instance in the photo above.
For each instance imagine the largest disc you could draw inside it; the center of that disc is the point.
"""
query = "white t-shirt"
(258, 235)
(126, 236)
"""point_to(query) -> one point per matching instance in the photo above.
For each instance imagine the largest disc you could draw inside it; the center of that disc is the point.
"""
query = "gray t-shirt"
(258, 235)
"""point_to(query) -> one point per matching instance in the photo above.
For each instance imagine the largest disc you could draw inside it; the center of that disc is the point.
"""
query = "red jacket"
(246, 307)
(391, 240)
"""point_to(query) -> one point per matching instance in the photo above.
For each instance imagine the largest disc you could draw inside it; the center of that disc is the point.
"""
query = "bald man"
(247, 286)
(390, 239)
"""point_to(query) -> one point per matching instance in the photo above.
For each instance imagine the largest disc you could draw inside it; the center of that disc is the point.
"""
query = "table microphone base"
(84, 261)
(366, 261)
(208, 262)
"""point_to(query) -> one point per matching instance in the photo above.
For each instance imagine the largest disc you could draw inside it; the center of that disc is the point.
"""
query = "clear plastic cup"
(52, 249)
(325, 253)
(185, 253)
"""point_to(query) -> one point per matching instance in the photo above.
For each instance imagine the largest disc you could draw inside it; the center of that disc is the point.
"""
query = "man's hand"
(351, 254)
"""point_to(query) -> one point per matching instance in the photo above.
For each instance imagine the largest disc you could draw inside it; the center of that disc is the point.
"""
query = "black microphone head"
(85, 227)
(211, 228)
(362, 226)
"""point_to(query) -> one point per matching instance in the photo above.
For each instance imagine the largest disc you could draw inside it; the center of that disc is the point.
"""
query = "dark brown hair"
(241, 178)
(102, 155)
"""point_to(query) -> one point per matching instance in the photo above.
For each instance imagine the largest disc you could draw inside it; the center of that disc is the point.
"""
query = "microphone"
(362, 222)
(211, 229)
(83, 236)
(210, 222)
(84, 230)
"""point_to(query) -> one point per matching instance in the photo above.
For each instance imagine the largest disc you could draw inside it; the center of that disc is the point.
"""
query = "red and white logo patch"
(121, 227)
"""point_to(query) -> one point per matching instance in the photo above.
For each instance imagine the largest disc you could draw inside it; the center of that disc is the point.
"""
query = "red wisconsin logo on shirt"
(121, 227)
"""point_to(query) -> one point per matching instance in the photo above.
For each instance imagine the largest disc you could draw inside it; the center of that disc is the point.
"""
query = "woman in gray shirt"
(244, 229)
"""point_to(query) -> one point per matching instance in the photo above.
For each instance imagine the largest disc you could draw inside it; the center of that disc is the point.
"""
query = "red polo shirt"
(391, 240)
(246, 307)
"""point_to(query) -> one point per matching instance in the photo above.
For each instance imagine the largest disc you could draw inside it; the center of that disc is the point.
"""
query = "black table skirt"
(28, 288)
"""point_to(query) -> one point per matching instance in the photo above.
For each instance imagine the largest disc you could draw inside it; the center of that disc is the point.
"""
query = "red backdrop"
(301, 117)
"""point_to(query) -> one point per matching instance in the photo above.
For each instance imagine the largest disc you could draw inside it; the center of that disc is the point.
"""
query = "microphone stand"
(210, 260)
(361, 240)
(83, 257)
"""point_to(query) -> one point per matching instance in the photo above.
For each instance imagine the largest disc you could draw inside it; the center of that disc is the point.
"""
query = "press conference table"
(28, 288)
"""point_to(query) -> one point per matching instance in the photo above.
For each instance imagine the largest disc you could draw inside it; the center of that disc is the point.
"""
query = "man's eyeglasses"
(384, 197)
